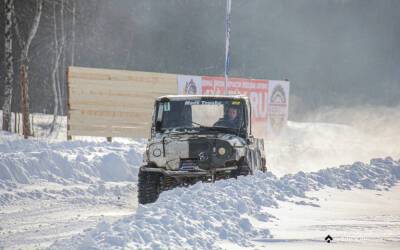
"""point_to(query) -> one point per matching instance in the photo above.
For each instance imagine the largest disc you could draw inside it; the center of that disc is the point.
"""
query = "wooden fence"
(114, 103)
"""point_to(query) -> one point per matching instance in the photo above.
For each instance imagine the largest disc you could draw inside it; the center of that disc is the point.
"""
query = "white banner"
(189, 85)
(278, 106)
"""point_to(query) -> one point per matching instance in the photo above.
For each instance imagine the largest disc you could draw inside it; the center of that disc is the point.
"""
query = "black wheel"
(261, 164)
(243, 169)
(235, 173)
(251, 161)
(148, 187)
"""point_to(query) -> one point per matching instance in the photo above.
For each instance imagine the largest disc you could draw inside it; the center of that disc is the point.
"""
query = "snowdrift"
(206, 215)
(27, 162)
(24, 161)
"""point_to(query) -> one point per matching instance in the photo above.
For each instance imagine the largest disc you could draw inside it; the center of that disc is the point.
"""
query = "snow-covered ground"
(357, 219)
(241, 212)
(82, 194)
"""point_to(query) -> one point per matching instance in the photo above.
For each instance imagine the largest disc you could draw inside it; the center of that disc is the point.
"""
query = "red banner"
(256, 90)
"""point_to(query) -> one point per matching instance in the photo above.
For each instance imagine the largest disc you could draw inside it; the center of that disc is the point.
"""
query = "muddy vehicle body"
(198, 138)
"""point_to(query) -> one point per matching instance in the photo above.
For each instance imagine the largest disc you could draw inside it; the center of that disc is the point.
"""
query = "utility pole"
(227, 40)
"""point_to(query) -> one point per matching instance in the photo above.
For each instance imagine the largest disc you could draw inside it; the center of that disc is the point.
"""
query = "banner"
(269, 99)
(256, 90)
(278, 107)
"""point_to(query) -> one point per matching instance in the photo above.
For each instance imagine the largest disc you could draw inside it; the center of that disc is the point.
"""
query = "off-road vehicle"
(198, 138)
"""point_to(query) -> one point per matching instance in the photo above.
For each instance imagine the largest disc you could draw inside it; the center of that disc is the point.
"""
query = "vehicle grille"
(188, 164)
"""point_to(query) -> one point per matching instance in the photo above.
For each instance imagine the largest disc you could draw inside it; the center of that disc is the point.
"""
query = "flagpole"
(227, 40)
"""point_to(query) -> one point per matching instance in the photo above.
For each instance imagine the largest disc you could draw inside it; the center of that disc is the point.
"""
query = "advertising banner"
(269, 99)
(256, 90)
(278, 107)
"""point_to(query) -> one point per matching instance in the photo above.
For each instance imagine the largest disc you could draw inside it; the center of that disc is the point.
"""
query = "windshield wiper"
(189, 130)
(200, 126)
(181, 130)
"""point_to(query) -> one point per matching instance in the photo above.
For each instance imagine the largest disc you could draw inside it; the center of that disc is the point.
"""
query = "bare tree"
(24, 62)
(8, 86)
(61, 78)
(54, 74)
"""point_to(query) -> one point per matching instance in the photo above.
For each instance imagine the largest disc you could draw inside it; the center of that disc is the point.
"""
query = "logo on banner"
(189, 85)
(190, 88)
(278, 95)
(278, 106)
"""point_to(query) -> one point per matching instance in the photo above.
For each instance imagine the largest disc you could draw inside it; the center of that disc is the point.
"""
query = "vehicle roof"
(194, 97)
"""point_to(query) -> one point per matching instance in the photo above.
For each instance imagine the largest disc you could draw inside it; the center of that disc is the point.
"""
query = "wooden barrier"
(114, 103)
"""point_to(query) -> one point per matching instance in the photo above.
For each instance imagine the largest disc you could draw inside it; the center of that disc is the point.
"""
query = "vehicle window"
(201, 113)
(207, 115)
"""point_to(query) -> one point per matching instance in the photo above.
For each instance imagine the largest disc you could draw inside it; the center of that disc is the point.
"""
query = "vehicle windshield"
(202, 113)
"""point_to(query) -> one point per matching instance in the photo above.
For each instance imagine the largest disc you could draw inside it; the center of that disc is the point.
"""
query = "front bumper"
(182, 173)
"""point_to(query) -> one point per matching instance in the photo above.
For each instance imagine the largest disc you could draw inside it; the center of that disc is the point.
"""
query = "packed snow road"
(356, 219)
(37, 223)
(81, 194)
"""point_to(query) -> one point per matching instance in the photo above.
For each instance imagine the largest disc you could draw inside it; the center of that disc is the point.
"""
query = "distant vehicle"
(198, 138)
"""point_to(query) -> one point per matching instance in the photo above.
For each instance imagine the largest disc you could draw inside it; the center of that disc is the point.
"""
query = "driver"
(232, 119)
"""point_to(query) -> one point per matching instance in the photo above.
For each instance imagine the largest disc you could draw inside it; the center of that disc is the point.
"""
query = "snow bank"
(334, 136)
(26, 161)
(205, 214)
(379, 174)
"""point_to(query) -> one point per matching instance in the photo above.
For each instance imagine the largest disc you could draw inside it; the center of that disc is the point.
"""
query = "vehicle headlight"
(221, 151)
(157, 152)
